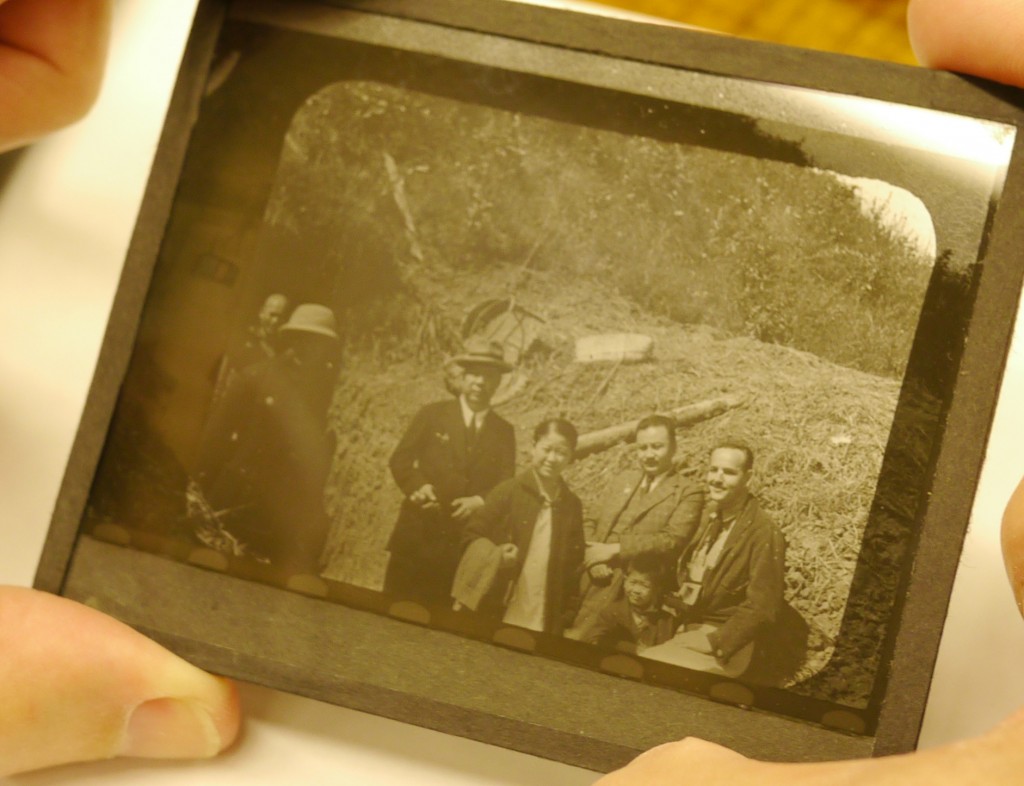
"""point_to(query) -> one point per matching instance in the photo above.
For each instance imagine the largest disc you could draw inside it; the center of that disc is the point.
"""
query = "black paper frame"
(325, 652)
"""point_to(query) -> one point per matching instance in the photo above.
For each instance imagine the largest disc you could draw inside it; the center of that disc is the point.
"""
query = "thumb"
(76, 685)
(980, 37)
(1013, 543)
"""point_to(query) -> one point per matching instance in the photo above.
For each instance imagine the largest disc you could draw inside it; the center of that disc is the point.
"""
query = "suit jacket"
(662, 523)
(264, 461)
(508, 516)
(743, 593)
(434, 450)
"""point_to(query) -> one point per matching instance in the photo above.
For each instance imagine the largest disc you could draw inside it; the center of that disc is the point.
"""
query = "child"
(636, 619)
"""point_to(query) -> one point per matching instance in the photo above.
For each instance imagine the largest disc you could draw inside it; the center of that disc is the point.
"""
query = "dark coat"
(425, 545)
(743, 593)
(662, 523)
(508, 516)
(264, 459)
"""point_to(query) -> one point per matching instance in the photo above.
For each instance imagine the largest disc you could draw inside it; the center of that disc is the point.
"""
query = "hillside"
(819, 431)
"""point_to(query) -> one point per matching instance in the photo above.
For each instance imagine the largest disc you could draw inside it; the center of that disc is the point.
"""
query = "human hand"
(52, 54)
(994, 760)
(80, 686)
(509, 555)
(464, 507)
(601, 573)
(424, 497)
(1013, 543)
(598, 553)
(980, 37)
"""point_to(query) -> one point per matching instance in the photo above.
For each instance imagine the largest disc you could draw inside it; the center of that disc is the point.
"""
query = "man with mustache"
(648, 510)
(731, 577)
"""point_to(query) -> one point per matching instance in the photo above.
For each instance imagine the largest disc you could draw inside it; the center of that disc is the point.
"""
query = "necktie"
(714, 529)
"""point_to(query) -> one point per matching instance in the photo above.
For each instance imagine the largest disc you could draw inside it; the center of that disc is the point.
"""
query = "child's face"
(639, 589)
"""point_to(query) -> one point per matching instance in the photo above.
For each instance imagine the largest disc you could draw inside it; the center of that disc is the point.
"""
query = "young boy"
(636, 620)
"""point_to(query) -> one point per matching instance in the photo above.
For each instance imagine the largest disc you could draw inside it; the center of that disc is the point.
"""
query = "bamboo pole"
(602, 439)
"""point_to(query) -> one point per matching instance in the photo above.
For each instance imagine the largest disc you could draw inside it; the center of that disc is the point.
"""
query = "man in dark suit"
(452, 454)
(652, 509)
(267, 450)
(731, 577)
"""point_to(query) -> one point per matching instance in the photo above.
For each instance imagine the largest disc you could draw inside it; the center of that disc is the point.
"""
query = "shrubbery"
(420, 187)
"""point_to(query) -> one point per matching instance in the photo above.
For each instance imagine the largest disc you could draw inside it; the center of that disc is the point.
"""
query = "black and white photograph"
(643, 371)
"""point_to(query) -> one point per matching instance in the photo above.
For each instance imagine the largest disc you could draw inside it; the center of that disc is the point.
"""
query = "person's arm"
(52, 54)
(508, 455)
(404, 461)
(572, 568)
(676, 529)
(491, 519)
(763, 597)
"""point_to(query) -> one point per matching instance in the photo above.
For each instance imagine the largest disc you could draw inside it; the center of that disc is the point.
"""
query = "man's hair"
(658, 421)
(732, 443)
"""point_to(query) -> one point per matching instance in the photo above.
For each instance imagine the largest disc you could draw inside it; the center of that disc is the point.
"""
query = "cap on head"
(312, 318)
(480, 351)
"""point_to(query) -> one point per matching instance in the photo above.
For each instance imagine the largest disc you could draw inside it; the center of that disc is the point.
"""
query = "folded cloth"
(476, 573)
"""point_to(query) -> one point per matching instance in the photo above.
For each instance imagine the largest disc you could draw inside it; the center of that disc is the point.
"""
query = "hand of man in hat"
(52, 54)
(425, 497)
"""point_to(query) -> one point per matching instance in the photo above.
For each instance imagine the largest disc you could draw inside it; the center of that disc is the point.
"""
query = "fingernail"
(170, 729)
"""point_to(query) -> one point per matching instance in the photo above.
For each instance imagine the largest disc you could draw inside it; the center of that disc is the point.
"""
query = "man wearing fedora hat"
(266, 450)
(452, 454)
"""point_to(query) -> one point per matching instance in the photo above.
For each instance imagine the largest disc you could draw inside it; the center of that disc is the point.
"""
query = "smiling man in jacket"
(731, 577)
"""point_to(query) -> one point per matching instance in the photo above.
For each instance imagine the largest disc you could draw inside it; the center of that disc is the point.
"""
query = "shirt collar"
(468, 415)
(732, 512)
(648, 483)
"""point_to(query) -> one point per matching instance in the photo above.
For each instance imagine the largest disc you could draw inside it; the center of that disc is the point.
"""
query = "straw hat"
(479, 351)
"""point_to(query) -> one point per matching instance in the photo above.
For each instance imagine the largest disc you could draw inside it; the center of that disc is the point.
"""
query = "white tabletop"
(67, 210)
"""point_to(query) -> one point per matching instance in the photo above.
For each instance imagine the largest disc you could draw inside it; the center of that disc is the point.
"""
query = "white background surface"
(67, 209)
